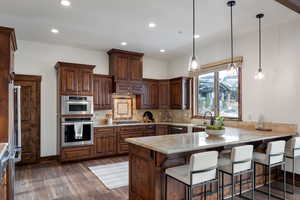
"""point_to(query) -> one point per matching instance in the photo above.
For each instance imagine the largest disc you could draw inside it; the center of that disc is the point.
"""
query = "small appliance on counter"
(148, 117)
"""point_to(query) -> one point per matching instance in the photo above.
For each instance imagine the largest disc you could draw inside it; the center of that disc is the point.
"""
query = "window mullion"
(216, 90)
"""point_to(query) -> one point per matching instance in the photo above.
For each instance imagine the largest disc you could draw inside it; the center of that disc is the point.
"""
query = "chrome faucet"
(212, 119)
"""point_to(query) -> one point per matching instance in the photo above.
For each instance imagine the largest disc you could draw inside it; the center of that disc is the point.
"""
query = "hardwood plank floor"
(74, 181)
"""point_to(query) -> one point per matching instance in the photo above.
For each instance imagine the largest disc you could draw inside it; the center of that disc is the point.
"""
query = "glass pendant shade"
(193, 63)
(259, 75)
(232, 67)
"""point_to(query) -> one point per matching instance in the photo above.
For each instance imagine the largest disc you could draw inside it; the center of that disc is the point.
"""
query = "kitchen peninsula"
(150, 156)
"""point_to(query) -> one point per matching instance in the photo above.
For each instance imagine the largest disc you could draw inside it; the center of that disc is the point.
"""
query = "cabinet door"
(176, 94)
(102, 92)
(85, 80)
(128, 132)
(153, 87)
(164, 94)
(69, 81)
(136, 68)
(162, 130)
(121, 71)
(105, 142)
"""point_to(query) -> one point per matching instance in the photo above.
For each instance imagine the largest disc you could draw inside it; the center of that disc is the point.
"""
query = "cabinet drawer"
(76, 153)
(177, 129)
(104, 131)
(150, 130)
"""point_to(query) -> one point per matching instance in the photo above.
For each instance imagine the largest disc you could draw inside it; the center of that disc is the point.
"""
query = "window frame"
(216, 100)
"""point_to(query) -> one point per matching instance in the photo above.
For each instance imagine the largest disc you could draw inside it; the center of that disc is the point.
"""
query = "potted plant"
(217, 129)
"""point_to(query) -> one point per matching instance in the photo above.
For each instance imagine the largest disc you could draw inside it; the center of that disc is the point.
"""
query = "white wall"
(39, 59)
(277, 97)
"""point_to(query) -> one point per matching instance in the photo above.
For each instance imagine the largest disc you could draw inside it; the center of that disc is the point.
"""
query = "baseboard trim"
(48, 159)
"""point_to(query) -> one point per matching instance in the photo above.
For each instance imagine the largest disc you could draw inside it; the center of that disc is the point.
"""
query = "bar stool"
(239, 164)
(273, 157)
(201, 170)
(292, 151)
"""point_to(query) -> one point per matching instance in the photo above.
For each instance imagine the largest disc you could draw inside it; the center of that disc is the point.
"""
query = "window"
(218, 91)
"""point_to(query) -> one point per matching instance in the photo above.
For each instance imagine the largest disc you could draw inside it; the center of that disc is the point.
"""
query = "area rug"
(112, 175)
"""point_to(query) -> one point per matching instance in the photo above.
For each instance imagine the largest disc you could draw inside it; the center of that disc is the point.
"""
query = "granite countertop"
(141, 124)
(170, 144)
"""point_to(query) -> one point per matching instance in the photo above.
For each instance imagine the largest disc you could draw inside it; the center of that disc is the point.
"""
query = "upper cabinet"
(75, 79)
(127, 69)
(149, 97)
(102, 92)
(164, 94)
(180, 93)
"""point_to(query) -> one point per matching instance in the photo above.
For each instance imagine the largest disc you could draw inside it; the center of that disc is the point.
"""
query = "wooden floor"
(74, 181)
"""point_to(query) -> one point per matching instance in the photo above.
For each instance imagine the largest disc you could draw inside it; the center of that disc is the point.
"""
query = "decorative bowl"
(215, 133)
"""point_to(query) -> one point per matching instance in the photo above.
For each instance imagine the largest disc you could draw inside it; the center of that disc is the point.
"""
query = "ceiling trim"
(290, 4)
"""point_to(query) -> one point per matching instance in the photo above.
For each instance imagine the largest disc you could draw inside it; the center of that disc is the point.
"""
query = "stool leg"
(205, 192)
(284, 179)
(222, 185)
(254, 168)
(241, 185)
(269, 185)
(218, 188)
(233, 187)
(294, 167)
(190, 193)
(253, 185)
(166, 186)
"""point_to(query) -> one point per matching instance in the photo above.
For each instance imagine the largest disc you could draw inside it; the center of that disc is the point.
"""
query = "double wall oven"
(77, 121)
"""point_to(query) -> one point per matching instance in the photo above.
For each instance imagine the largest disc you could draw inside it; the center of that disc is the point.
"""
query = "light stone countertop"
(3, 148)
(179, 143)
(141, 124)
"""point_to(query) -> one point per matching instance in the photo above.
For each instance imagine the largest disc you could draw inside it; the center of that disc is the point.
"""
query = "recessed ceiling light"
(196, 36)
(162, 51)
(151, 25)
(66, 3)
(123, 43)
(55, 31)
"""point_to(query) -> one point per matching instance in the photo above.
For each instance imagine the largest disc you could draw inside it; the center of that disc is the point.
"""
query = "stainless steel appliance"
(74, 105)
(77, 131)
(13, 152)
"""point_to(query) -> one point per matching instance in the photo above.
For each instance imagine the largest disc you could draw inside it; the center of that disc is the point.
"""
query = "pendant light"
(193, 62)
(232, 66)
(259, 74)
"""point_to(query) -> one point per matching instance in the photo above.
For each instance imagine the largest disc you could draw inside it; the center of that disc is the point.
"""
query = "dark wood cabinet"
(102, 92)
(198, 129)
(127, 69)
(150, 130)
(127, 132)
(149, 98)
(8, 46)
(75, 79)
(76, 153)
(180, 93)
(164, 94)
(162, 129)
(105, 141)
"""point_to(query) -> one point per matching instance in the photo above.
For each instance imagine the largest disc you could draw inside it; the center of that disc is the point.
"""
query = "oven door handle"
(71, 123)
(78, 103)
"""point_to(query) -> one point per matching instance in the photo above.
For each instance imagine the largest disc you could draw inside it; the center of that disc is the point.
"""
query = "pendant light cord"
(231, 22)
(259, 44)
(193, 29)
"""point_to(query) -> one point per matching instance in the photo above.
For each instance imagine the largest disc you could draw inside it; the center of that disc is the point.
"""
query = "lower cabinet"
(127, 132)
(162, 129)
(105, 142)
(198, 129)
(76, 153)
(177, 129)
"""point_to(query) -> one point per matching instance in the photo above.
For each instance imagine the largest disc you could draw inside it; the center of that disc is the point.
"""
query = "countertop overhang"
(179, 143)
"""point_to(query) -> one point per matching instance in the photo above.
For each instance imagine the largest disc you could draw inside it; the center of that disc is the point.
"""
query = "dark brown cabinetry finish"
(76, 153)
(180, 93)
(8, 46)
(162, 129)
(105, 141)
(102, 92)
(164, 94)
(75, 79)
(198, 129)
(127, 69)
(30, 116)
(3, 186)
(149, 98)
(150, 130)
(127, 132)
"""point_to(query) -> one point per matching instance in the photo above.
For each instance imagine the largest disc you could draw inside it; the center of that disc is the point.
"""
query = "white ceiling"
(104, 24)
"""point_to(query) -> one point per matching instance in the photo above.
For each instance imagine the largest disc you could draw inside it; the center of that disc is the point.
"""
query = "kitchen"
(125, 76)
